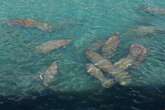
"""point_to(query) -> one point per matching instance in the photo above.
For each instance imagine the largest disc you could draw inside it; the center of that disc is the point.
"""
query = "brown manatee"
(154, 10)
(30, 23)
(137, 54)
(110, 46)
(49, 75)
(99, 61)
(52, 45)
(142, 31)
(98, 74)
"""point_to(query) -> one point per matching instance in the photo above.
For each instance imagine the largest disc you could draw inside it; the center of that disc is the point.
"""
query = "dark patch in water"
(118, 98)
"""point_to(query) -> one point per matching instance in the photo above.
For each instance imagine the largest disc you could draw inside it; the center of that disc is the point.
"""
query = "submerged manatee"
(99, 61)
(154, 10)
(98, 74)
(110, 46)
(141, 31)
(135, 57)
(48, 76)
(137, 54)
(30, 23)
(52, 45)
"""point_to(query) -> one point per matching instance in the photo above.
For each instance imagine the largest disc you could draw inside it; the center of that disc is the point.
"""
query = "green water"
(84, 22)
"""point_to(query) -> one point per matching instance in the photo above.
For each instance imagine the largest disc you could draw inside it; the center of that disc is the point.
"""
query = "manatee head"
(137, 50)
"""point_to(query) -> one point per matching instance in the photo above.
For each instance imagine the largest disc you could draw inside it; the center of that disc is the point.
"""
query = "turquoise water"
(84, 22)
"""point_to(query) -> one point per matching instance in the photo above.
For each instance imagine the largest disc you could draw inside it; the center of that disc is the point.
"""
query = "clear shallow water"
(84, 22)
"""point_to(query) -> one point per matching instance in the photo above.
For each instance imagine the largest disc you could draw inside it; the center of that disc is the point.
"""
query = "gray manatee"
(154, 10)
(30, 23)
(110, 46)
(136, 56)
(52, 45)
(49, 75)
(99, 61)
(142, 31)
(98, 74)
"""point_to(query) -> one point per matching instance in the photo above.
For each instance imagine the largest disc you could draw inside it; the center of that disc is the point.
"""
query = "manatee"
(49, 75)
(98, 74)
(106, 66)
(52, 45)
(136, 55)
(110, 46)
(141, 31)
(122, 77)
(30, 23)
(138, 52)
(154, 10)
(99, 61)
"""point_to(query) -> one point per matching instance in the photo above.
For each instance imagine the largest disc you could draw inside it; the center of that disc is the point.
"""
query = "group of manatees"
(107, 73)
(148, 30)
(48, 76)
(100, 56)
(101, 66)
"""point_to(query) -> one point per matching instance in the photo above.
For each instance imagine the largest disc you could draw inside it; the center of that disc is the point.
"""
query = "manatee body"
(98, 74)
(49, 75)
(155, 10)
(141, 31)
(30, 23)
(52, 45)
(137, 54)
(110, 46)
(99, 61)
